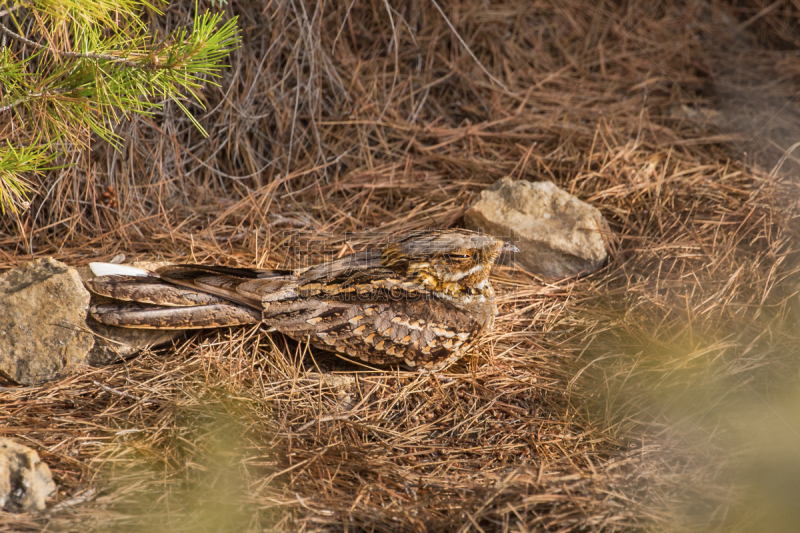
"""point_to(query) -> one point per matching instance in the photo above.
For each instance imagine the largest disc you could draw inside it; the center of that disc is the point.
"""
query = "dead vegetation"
(606, 403)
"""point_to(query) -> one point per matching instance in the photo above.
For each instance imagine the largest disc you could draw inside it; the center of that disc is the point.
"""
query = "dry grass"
(625, 400)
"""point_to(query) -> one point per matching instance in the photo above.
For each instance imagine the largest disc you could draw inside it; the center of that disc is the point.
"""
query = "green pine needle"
(63, 93)
(14, 163)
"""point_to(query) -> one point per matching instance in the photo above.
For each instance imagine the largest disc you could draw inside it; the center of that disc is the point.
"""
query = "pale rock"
(43, 331)
(25, 481)
(558, 235)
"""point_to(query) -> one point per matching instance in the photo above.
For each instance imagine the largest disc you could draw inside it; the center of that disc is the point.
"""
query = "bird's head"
(454, 261)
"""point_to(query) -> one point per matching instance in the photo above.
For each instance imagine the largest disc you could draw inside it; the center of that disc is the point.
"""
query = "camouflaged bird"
(421, 300)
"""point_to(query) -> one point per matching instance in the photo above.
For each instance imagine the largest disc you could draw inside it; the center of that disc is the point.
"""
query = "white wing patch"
(110, 269)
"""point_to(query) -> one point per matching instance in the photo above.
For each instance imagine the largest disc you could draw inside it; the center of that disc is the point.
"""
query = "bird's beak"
(508, 247)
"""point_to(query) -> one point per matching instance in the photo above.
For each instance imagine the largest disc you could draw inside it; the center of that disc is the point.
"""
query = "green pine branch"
(14, 164)
(85, 65)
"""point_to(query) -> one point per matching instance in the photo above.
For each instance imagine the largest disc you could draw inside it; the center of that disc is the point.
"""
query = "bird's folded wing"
(249, 273)
(233, 284)
(137, 315)
(150, 290)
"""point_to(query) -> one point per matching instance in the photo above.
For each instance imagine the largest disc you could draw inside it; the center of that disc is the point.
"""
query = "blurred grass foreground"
(657, 394)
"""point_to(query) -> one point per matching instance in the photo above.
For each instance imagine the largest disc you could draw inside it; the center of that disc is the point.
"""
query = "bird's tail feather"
(142, 299)
(144, 316)
(149, 290)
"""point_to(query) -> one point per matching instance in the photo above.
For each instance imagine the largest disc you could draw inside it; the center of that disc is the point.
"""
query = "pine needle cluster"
(72, 69)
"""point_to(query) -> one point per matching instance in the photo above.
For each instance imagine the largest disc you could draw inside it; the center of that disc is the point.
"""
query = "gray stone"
(43, 329)
(113, 344)
(557, 234)
(25, 481)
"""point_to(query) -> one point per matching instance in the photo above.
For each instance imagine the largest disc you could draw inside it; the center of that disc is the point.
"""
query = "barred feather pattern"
(420, 301)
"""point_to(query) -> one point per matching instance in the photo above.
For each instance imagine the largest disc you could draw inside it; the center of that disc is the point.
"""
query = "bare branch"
(103, 57)
(31, 97)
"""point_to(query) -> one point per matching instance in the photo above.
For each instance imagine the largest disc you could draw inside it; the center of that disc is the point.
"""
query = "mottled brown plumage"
(421, 300)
